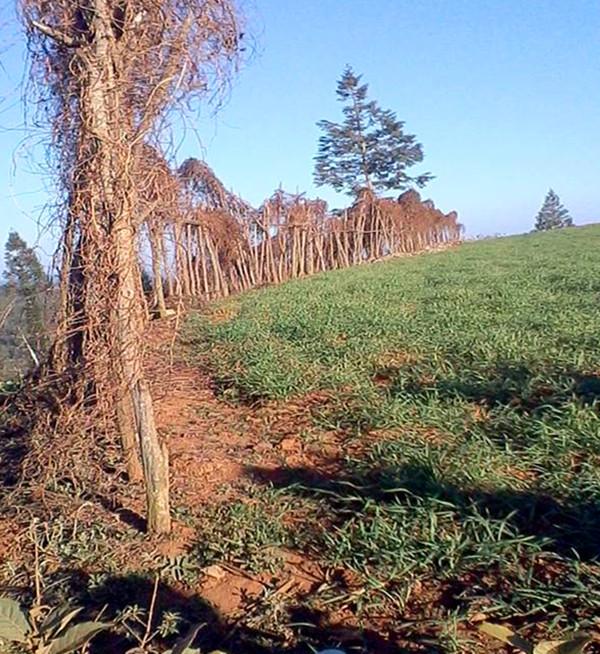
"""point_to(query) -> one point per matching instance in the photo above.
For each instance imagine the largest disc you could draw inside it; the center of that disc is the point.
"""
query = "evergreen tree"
(25, 278)
(552, 215)
(369, 149)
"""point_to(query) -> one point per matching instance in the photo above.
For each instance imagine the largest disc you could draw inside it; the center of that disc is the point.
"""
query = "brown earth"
(214, 445)
(212, 442)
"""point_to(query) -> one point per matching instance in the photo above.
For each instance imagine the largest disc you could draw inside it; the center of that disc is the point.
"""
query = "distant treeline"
(27, 303)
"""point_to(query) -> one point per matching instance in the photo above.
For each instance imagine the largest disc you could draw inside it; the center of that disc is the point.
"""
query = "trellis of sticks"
(213, 244)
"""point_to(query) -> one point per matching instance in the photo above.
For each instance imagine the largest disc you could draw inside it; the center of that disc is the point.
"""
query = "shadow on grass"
(569, 527)
(516, 385)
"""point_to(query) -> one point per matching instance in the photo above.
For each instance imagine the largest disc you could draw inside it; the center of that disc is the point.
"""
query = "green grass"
(249, 533)
(480, 370)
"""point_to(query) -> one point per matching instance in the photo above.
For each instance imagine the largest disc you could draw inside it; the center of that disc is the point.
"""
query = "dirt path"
(212, 442)
(208, 439)
(212, 446)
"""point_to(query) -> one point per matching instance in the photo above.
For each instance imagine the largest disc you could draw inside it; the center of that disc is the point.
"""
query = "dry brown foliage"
(107, 75)
(219, 245)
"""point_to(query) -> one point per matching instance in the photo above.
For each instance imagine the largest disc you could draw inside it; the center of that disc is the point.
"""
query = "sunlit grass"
(481, 367)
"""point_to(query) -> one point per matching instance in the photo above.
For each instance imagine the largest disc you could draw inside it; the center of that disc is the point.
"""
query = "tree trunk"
(129, 442)
(159, 293)
(114, 196)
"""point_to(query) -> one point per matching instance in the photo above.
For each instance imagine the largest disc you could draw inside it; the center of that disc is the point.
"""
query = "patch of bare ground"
(212, 445)
(211, 442)
(216, 449)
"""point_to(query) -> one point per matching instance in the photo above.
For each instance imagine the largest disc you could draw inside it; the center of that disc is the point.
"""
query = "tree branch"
(6, 311)
(32, 353)
(55, 34)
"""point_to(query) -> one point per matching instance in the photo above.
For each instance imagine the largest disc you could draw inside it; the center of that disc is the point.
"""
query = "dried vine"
(107, 75)
(217, 244)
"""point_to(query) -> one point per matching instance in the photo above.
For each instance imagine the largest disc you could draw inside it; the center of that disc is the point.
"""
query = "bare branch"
(6, 311)
(30, 350)
(63, 39)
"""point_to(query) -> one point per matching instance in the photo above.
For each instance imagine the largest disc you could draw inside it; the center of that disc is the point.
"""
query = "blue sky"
(503, 94)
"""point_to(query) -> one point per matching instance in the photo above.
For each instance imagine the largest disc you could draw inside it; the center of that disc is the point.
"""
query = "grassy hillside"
(528, 301)
(464, 387)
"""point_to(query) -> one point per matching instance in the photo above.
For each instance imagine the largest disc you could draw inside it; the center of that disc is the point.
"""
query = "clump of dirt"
(223, 312)
(389, 364)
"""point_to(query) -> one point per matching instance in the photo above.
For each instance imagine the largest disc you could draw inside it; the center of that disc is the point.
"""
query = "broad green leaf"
(58, 619)
(573, 646)
(182, 646)
(77, 637)
(506, 635)
(14, 625)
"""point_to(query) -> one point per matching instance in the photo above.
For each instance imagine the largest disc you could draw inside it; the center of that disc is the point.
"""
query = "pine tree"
(553, 214)
(25, 278)
(369, 149)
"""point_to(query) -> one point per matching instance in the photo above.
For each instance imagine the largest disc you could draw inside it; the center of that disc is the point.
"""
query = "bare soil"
(213, 447)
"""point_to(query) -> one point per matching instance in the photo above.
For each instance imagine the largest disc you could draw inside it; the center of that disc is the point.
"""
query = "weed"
(249, 533)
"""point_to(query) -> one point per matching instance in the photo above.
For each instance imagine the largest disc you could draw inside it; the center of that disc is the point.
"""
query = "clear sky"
(503, 94)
